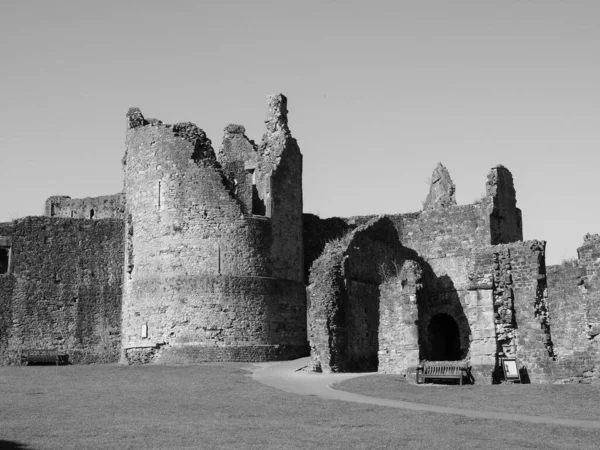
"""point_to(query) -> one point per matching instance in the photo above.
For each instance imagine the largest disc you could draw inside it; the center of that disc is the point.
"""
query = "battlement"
(103, 207)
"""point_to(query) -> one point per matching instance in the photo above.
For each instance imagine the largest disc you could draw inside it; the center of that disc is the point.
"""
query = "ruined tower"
(214, 268)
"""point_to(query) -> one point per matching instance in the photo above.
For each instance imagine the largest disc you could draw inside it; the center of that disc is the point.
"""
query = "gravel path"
(289, 377)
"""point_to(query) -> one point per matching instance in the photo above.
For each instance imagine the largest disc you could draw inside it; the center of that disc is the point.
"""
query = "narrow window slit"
(159, 183)
(4, 260)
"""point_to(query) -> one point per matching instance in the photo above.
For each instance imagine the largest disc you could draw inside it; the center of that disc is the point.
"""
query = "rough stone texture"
(105, 207)
(574, 304)
(458, 229)
(317, 233)
(63, 289)
(468, 267)
(441, 191)
(208, 276)
(343, 313)
(505, 220)
(399, 349)
(211, 253)
(239, 157)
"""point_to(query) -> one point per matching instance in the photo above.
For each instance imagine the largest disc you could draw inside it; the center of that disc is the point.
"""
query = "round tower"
(209, 277)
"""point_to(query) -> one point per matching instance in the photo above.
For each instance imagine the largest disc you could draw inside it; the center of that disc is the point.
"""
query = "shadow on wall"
(444, 329)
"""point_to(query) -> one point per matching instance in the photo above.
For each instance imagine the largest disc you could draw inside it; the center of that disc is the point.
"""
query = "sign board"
(511, 371)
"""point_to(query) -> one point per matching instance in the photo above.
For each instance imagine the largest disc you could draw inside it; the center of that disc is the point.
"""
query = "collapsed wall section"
(399, 350)
(317, 233)
(513, 277)
(506, 224)
(444, 229)
(62, 288)
(459, 290)
(343, 312)
(104, 207)
(574, 304)
(206, 279)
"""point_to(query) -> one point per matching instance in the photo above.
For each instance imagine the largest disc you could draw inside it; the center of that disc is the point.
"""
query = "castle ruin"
(207, 256)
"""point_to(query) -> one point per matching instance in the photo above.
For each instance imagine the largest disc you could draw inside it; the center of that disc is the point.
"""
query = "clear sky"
(378, 93)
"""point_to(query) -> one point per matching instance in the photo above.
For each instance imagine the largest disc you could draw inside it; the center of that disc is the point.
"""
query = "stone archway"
(444, 338)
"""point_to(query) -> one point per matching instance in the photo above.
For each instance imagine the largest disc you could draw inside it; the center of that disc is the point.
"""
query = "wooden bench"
(40, 355)
(444, 371)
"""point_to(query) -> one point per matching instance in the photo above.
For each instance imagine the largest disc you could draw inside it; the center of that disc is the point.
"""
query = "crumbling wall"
(343, 313)
(457, 273)
(400, 293)
(444, 229)
(105, 207)
(208, 278)
(239, 157)
(281, 175)
(317, 233)
(523, 270)
(506, 225)
(441, 190)
(574, 305)
(63, 289)
(512, 276)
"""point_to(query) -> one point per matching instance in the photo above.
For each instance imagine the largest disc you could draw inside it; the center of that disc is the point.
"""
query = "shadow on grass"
(12, 445)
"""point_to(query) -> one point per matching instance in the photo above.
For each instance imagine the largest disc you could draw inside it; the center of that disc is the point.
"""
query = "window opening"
(158, 204)
(92, 213)
(258, 205)
(4, 260)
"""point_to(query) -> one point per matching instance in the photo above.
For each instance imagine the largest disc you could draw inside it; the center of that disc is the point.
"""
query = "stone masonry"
(207, 256)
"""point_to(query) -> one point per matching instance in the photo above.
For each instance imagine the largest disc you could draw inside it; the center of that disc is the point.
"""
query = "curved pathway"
(288, 377)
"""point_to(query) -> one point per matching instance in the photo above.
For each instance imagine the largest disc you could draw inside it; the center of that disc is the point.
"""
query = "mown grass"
(219, 406)
(571, 401)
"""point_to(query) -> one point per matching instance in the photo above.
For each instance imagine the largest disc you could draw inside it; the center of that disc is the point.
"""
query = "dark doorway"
(4, 260)
(444, 338)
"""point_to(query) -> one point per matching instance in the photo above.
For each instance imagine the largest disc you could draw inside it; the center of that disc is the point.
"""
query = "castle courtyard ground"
(228, 406)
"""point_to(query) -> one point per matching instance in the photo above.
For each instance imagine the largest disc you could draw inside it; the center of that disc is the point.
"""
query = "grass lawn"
(572, 401)
(219, 406)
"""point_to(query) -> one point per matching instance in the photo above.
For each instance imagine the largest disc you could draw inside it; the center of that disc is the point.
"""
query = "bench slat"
(442, 371)
(40, 355)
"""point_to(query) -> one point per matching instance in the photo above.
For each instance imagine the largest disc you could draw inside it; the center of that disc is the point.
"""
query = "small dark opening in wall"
(92, 213)
(4, 260)
(258, 205)
(52, 210)
(444, 338)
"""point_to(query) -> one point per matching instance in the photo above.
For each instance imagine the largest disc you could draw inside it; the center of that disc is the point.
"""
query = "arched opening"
(444, 338)
(92, 213)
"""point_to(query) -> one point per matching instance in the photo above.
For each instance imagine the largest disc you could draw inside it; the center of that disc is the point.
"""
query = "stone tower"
(213, 259)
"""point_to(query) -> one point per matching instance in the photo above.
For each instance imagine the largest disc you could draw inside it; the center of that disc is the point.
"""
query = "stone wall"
(574, 308)
(343, 313)
(399, 349)
(317, 233)
(506, 224)
(104, 207)
(453, 280)
(513, 277)
(208, 272)
(63, 288)
(445, 229)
